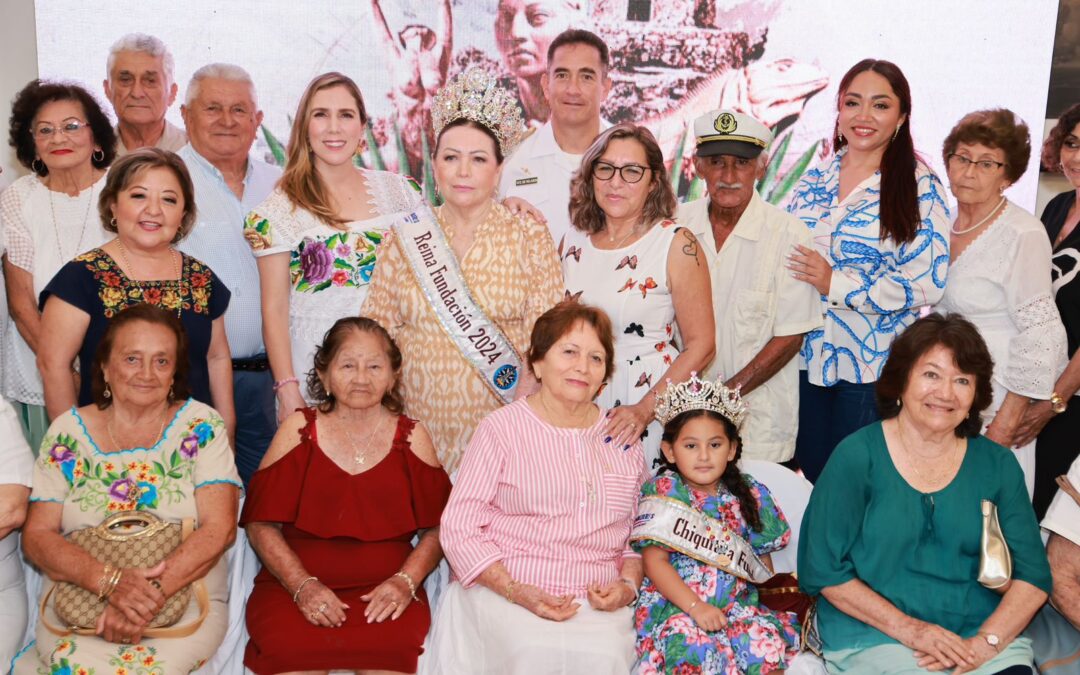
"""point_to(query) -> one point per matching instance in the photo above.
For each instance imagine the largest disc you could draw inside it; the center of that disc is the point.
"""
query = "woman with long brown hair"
(316, 235)
(881, 251)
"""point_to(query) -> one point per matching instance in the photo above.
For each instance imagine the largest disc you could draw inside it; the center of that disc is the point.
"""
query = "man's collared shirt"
(755, 299)
(539, 172)
(172, 139)
(218, 240)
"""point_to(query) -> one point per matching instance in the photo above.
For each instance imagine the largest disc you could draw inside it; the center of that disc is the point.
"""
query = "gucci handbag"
(124, 540)
(995, 562)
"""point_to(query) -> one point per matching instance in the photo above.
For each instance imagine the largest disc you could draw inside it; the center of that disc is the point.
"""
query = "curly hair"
(960, 337)
(333, 341)
(585, 213)
(732, 478)
(131, 166)
(30, 100)
(1051, 149)
(996, 128)
(151, 314)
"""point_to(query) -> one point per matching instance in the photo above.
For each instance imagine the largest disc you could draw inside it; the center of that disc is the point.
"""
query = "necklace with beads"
(993, 212)
(56, 230)
(174, 255)
(360, 454)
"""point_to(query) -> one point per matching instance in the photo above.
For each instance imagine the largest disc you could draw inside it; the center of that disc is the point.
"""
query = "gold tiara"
(696, 394)
(475, 95)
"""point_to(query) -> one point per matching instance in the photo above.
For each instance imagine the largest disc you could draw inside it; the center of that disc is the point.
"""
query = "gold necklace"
(575, 423)
(174, 255)
(360, 454)
(611, 237)
(908, 454)
(154, 440)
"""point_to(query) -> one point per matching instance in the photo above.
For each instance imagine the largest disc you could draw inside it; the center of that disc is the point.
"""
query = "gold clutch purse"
(995, 562)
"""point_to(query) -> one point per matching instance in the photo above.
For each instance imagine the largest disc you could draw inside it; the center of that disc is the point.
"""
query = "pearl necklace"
(979, 224)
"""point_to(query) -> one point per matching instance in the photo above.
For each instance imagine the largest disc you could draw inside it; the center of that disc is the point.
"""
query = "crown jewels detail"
(697, 394)
(475, 95)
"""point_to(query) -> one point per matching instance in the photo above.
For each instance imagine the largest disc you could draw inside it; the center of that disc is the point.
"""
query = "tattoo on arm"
(690, 248)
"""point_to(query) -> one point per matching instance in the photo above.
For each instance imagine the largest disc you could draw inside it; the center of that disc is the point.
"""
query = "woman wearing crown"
(460, 288)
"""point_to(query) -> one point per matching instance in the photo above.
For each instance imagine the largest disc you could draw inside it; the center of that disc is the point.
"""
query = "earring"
(172, 395)
(899, 403)
(839, 137)
(34, 165)
(107, 393)
(98, 156)
(897, 132)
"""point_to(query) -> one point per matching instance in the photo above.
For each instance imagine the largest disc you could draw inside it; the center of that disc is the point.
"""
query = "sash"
(683, 528)
(437, 272)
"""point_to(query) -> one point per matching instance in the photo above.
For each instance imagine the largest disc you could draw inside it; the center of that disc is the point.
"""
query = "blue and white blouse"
(878, 287)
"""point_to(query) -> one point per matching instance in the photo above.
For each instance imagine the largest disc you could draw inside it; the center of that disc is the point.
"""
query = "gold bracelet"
(412, 585)
(296, 595)
(510, 592)
(103, 582)
(114, 581)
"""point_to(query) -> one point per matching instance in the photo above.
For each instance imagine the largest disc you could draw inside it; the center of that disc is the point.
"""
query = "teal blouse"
(918, 550)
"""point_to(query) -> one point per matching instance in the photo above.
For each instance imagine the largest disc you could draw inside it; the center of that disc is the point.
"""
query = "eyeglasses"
(983, 165)
(68, 128)
(630, 173)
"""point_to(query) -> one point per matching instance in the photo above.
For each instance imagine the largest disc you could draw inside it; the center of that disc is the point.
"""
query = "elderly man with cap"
(761, 312)
(141, 88)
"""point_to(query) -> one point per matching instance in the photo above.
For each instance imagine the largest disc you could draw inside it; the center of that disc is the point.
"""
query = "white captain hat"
(727, 132)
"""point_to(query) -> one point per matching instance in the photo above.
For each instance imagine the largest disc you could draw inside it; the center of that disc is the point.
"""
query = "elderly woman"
(144, 447)
(891, 537)
(1057, 422)
(536, 529)
(61, 134)
(627, 256)
(341, 492)
(148, 202)
(459, 290)
(316, 235)
(999, 273)
(878, 218)
(16, 468)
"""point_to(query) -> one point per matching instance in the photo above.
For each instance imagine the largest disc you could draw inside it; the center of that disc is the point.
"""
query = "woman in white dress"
(316, 235)
(627, 256)
(999, 272)
(16, 469)
(61, 134)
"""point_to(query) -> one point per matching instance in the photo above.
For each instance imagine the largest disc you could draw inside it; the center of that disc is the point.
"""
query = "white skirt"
(477, 632)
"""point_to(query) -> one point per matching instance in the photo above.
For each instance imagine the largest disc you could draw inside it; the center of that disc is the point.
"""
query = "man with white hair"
(222, 117)
(761, 312)
(141, 87)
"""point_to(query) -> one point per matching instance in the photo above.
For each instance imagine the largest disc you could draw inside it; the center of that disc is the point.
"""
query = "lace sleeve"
(18, 242)
(392, 193)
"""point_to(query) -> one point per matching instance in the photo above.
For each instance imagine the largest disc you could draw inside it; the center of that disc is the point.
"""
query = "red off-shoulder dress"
(352, 532)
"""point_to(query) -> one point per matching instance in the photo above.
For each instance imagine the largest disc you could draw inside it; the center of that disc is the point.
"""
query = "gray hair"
(147, 44)
(219, 71)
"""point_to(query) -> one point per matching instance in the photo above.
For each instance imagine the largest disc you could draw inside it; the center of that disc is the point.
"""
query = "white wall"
(18, 35)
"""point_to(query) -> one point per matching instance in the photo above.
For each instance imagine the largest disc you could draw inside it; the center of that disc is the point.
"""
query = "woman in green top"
(890, 539)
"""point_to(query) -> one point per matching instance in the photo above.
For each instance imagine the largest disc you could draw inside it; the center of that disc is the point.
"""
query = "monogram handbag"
(126, 539)
(995, 562)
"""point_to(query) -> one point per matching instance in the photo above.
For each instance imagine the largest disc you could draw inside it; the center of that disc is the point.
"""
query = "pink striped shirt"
(554, 505)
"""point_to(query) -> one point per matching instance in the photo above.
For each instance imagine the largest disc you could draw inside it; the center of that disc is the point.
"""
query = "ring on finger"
(322, 608)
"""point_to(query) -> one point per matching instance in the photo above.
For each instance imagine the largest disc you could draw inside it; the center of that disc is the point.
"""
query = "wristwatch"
(992, 640)
(1057, 404)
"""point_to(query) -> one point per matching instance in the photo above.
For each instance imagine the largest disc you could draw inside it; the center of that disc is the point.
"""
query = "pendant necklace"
(360, 454)
(174, 255)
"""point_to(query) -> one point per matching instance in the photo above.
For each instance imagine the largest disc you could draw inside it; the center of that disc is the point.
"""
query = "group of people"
(588, 359)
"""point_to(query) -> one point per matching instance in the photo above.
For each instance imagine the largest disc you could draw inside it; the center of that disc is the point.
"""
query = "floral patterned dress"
(70, 470)
(756, 640)
(94, 283)
(330, 268)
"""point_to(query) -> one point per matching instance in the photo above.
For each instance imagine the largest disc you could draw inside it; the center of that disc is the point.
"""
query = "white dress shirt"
(755, 299)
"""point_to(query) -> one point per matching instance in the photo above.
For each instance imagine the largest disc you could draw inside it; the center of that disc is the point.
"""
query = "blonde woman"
(315, 236)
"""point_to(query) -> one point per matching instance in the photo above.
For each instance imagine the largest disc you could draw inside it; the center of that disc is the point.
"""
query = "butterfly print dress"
(631, 285)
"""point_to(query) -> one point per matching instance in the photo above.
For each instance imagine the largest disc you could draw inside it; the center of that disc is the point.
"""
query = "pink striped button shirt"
(554, 505)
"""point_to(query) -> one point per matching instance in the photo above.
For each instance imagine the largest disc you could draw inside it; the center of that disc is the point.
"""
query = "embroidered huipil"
(554, 505)
(878, 287)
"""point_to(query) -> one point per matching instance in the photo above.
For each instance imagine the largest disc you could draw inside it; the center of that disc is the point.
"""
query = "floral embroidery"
(191, 293)
(341, 260)
(137, 660)
(257, 232)
(60, 664)
(120, 482)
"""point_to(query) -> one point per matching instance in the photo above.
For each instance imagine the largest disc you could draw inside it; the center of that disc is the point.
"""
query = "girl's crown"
(475, 95)
(696, 394)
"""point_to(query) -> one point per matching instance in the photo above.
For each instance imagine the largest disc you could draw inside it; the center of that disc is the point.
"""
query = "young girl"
(705, 532)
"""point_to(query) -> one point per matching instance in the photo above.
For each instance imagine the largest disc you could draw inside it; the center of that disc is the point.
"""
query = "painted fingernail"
(626, 447)
(607, 439)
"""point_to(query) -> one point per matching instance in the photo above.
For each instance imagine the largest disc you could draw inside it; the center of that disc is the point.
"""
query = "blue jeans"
(256, 419)
(828, 415)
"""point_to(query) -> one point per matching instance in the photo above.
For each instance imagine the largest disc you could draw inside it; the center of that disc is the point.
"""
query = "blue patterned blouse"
(878, 288)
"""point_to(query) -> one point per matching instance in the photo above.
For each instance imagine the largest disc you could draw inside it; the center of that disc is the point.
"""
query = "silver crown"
(475, 95)
(697, 394)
